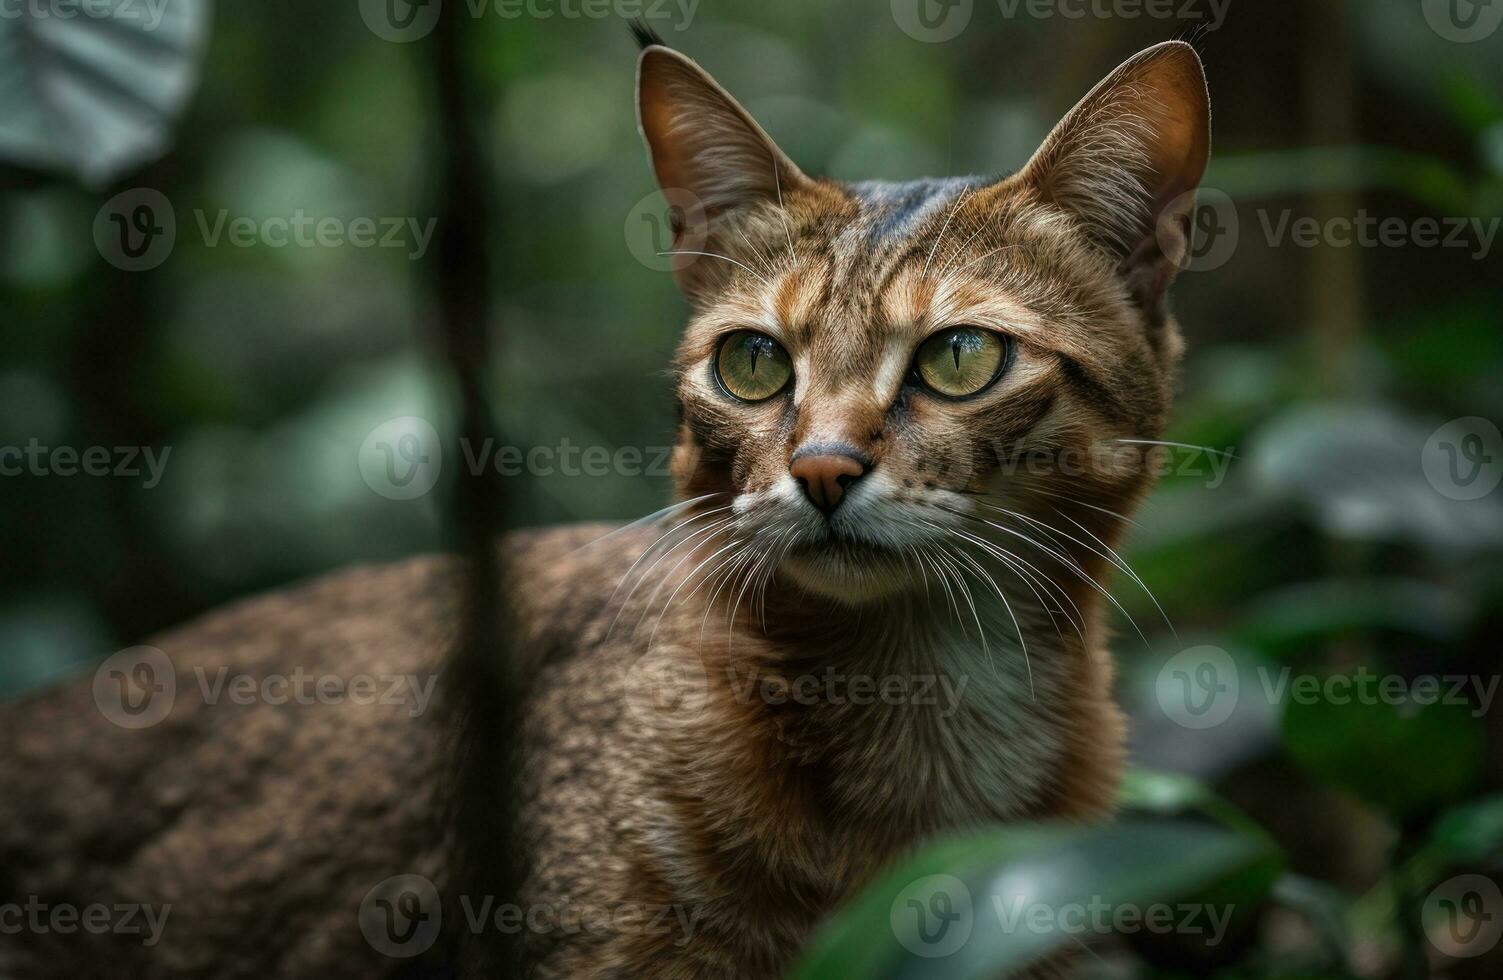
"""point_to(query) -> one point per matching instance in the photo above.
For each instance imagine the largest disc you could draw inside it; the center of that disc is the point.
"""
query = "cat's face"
(873, 370)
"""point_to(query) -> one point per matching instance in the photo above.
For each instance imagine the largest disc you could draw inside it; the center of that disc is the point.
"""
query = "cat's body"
(875, 616)
(691, 823)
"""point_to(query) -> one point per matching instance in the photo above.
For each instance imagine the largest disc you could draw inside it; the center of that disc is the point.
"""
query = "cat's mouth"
(847, 549)
(848, 568)
(869, 548)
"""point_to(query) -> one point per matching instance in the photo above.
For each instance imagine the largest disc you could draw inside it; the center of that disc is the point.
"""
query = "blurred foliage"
(96, 95)
(1319, 373)
(1131, 864)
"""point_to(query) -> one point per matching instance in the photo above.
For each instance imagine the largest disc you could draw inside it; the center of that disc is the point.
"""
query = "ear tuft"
(645, 34)
(1125, 162)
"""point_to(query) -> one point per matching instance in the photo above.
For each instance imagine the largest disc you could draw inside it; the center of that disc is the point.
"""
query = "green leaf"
(1404, 758)
(1301, 616)
(95, 93)
(1173, 794)
(1324, 907)
(1469, 833)
(988, 905)
(1446, 345)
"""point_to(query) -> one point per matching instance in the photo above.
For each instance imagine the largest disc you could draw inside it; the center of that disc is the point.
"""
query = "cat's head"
(869, 366)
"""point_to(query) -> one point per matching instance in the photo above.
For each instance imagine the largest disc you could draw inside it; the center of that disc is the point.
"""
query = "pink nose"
(825, 477)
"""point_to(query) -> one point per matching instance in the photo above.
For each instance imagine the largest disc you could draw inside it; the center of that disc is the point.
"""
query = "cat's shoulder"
(561, 581)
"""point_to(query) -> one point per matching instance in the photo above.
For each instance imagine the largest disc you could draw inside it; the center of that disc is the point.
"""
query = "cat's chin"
(849, 575)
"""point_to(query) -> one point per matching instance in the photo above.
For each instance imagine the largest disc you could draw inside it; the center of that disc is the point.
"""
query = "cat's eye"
(752, 366)
(960, 361)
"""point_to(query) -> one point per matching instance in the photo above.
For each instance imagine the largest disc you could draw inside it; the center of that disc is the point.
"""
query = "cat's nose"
(825, 472)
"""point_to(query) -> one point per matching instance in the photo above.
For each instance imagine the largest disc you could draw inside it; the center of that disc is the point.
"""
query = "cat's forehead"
(849, 253)
(890, 252)
(892, 211)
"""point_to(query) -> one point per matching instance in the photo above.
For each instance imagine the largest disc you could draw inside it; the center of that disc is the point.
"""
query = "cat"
(874, 614)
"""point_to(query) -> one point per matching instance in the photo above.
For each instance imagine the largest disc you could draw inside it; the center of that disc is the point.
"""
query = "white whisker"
(959, 200)
(716, 255)
(1022, 643)
(984, 255)
(1031, 576)
(1122, 563)
(657, 541)
(983, 226)
(687, 579)
(969, 601)
(944, 580)
(1109, 555)
(777, 183)
(1069, 564)
(1178, 445)
(649, 519)
(1060, 496)
(762, 256)
(710, 528)
(726, 573)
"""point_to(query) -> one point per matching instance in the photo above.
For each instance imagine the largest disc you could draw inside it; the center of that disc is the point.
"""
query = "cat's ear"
(702, 141)
(1126, 162)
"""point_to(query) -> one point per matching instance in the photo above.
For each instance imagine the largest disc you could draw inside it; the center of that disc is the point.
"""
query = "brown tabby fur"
(666, 766)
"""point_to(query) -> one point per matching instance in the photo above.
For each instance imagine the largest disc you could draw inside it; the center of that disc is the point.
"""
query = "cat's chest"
(927, 732)
(857, 764)
(805, 774)
(970, 732)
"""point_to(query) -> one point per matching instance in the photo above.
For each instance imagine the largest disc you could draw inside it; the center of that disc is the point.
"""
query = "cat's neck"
(843, 735)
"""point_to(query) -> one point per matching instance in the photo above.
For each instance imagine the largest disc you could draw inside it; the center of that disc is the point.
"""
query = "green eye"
(752, 366)
(960, 361)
